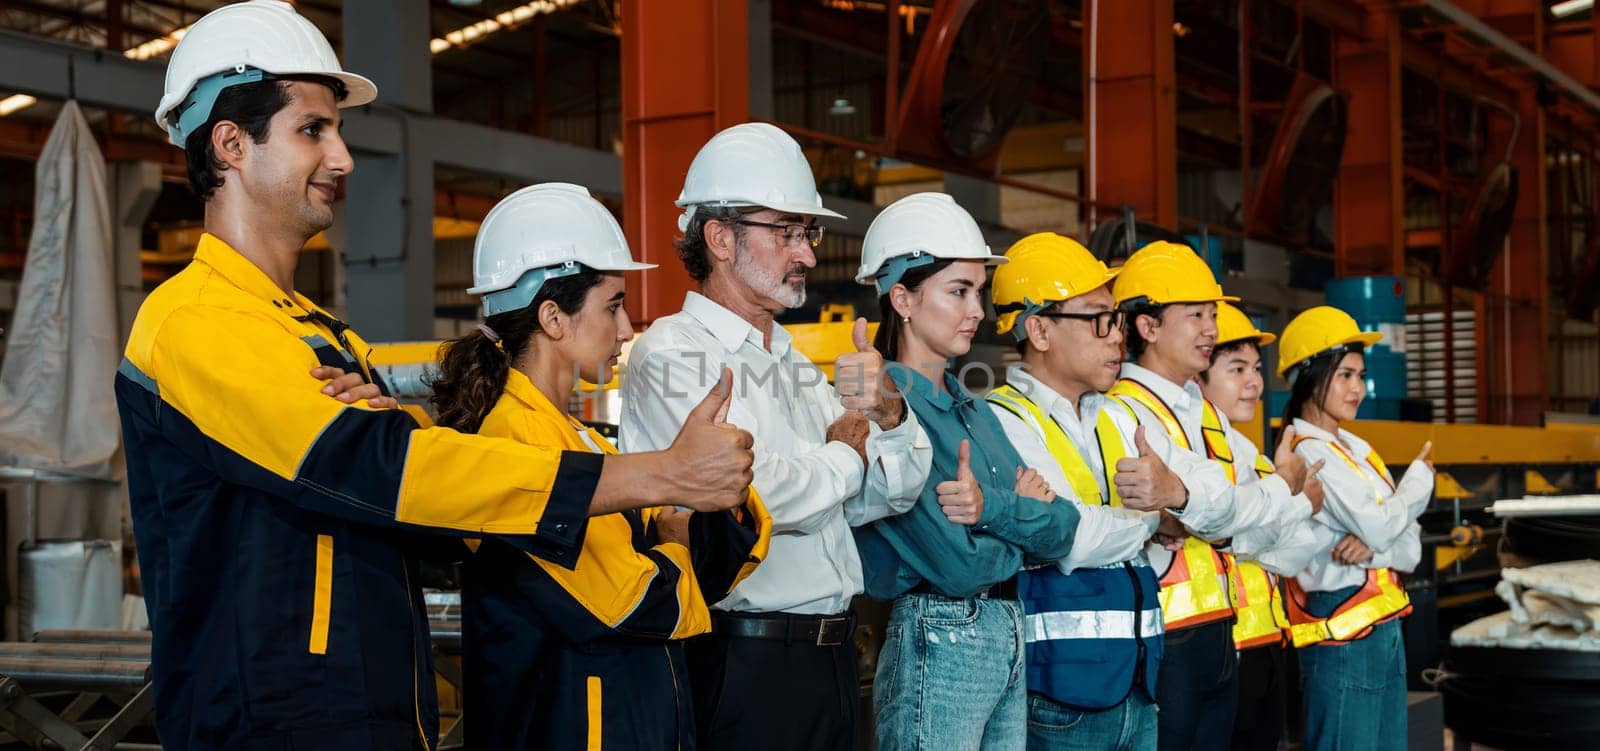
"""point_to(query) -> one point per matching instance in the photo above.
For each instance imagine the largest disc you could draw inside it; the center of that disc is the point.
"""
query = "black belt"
(819, 630)
(1006, 590)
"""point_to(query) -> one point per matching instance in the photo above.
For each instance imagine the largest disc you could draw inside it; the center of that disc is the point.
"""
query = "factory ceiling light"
(1570, 7)
(16, 102)
(501, 21)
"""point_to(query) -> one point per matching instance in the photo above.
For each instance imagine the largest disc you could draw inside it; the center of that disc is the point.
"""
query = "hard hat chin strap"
(195, 109)
(1029, 307)
(895, 268)
(521, 294)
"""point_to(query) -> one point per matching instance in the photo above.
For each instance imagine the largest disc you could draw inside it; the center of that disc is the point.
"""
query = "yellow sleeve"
(235, 390)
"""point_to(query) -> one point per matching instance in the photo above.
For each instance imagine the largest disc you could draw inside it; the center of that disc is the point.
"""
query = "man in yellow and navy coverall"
(275, 525)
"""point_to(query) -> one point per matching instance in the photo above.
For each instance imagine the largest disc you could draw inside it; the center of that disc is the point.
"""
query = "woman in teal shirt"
(951, 672)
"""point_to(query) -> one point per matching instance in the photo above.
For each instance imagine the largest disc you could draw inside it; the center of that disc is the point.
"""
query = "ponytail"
(472, 375)
(473, 368)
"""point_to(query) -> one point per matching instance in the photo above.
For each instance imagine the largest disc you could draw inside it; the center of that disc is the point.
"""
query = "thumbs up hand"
(961, 498)
(1144, 482)
(861, 382)
(1142, 445)
(711, 455)
(1290, 466)
(1426, 454)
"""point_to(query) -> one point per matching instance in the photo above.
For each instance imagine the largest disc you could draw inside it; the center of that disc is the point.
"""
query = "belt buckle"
(822, 630)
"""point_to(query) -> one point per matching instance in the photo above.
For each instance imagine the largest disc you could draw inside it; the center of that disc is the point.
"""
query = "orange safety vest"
(1257, 597)
(1194, 588)
(1382, 596)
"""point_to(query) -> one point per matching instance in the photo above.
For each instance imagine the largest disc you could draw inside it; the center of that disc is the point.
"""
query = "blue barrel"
(1378, 303)
(1211, 252)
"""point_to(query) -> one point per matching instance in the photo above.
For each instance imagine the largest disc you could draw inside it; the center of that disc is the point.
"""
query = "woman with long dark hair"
(1345, 608)
(582, 653)
(951, 674)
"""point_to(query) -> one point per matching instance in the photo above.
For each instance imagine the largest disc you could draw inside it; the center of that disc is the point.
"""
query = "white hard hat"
(245, 43)
(916, 231)
(751, 164)
(543, 232)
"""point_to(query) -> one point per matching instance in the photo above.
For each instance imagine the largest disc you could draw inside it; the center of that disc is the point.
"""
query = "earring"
(905, 320)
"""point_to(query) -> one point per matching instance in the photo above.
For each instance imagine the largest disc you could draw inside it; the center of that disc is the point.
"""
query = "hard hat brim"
(485, 289)
(1364, 338)
(1262, 338)
(360, 89)
(803, 209)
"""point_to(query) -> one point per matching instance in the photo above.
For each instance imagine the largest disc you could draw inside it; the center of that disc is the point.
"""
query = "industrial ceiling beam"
(1516, 51)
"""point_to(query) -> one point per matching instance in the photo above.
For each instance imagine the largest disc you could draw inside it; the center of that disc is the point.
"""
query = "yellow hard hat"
(1166, 273)
(1318, 330)
(1233, 326)
(1045, 268)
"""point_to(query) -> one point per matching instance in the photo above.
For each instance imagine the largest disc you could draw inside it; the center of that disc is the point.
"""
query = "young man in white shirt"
(1169, 297)
(1234, 385)
(779, 669)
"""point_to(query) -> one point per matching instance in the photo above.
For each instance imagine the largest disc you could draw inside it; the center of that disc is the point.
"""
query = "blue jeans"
(950, 676)
(1355, 693)
(1129, 726)
(1198, 688)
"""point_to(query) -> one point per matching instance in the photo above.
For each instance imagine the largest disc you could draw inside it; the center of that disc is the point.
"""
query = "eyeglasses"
(791, 233)
(1104, 321)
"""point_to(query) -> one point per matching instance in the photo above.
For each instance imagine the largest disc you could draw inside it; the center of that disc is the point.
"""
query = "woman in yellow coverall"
(589, 656)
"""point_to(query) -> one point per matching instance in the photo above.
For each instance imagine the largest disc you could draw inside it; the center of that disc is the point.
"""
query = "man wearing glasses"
(1092, 620)
(779, 669)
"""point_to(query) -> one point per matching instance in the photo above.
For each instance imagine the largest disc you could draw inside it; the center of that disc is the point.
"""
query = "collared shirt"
(1220, 509)
(1359, 500)
(1106, 534)
(1283, 548)
(814, 489)
(922, 546)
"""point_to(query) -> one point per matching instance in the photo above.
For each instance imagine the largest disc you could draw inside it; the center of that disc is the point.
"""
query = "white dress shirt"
(1361, 501)
(1106, 535)
(814, 489)
(1283, 548)
(1217, 508)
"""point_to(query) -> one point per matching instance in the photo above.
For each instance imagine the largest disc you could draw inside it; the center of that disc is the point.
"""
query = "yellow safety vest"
(1257, 598)
(1194, 588)
(1066, 453)
(1381, 598)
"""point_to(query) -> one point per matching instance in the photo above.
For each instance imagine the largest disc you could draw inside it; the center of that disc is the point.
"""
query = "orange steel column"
(685, 76)
(1516, 300)
(1370, 227)
(1134, 103)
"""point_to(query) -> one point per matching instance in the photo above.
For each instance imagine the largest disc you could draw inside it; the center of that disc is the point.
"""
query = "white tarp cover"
(57, 409)
(1553, 606)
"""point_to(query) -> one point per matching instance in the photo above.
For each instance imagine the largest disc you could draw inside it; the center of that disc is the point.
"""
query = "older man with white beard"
(827, 458)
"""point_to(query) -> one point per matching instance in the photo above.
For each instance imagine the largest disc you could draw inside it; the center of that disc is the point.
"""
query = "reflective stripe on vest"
(1095, 634)
(1194, 588)
(1092, 624)
(1066, 453)
(1381, 597)
(1259, 605)
(1257, 599)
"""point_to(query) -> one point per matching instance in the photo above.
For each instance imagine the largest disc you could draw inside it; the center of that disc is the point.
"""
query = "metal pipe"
(1510, 47)
(1566, 505)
